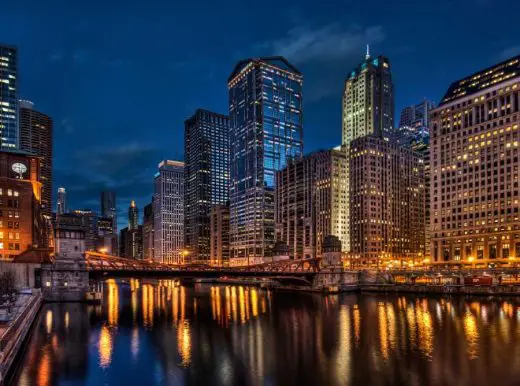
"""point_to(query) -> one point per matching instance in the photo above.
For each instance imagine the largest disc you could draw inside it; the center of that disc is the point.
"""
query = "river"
(162, 333)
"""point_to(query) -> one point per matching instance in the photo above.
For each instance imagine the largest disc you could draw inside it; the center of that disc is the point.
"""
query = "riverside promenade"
(15, 328)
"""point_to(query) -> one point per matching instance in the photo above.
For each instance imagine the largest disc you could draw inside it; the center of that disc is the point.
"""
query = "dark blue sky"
(120, 77)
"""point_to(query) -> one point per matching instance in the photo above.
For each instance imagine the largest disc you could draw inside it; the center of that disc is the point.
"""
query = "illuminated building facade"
(311, 202)
(386, 203)
(36, 138)
(107, 238)
(108, 207)
(475, 169)
(266, 130)
(89, 222)
(219, 235)
(21, 222)
(168, 212)
(9, 133)
(61, 202)
(206, 177)
(368, 107)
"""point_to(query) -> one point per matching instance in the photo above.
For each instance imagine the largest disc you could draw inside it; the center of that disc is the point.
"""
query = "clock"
(19, 168)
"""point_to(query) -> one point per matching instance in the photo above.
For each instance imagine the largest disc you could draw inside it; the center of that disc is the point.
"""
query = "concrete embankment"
(497, 290)
(14, 334)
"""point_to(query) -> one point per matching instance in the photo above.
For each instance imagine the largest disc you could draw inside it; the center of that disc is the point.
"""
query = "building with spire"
(133, 216)
(368, 109)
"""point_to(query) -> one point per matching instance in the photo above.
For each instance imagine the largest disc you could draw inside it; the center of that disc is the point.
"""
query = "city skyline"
(86, 66)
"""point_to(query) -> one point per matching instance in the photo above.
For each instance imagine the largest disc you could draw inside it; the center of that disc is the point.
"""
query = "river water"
(162, 333)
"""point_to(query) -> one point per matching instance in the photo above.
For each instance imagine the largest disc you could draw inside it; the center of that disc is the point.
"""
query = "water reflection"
(234, 335)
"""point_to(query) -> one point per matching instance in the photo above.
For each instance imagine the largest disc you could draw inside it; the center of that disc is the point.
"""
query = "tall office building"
(148, 232)
(108, 206)
(89, 223)
(206, 177)
(368, 107)
(107, 237)
(386, 203)
(168, 212)
(9, 132)
(475, 169)
(311, 202)
(266, 130)
(133, 216)
(368, 100)
(61, 202)
(219, 235)
(36, 138)
(417, 115)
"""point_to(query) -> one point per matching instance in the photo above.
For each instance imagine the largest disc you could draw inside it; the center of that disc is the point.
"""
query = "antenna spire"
(367, 56)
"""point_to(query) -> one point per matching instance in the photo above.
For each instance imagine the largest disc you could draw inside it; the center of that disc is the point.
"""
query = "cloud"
(304, 44)
(509, 52)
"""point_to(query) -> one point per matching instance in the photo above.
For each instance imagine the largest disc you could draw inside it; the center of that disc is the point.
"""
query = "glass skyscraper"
(206, 177)
(9, 136)
(266, 129)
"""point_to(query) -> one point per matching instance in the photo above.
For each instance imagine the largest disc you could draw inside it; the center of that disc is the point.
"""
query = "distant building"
(417, 116)
(9, 98)
(61, 202)
(219, 235)
(107, 238)
(22, 224)
(148, 232)
(206, 177)
(89, 221)
(123, 242)
(368, 108)
(133, 216)
(311, 202)
(109, 207)
(266, 130)
(131, 243)
(475, 169)
(36, 138)
(386, 203)
(332, 254)
(168, 212)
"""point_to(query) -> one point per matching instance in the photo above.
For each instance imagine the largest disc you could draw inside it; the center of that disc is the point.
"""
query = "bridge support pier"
(65, 281)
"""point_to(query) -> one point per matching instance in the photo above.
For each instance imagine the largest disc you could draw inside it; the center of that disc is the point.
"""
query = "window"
(9, 192)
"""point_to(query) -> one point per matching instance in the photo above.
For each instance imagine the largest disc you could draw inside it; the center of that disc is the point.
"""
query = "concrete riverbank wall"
(14, 334)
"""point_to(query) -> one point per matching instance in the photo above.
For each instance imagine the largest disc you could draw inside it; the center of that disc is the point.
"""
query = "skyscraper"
(368, 108)
(36, 138)
(206, 177)
(475, 169)
(89, 222)
(219, 231)
(368, 100)
(108, 206)
(148, 232)
(61, 202)
(266, 130)
(386, 203)
(168, 212)
(417, 115)
(133, 216)
(311, 202)
(9, 134)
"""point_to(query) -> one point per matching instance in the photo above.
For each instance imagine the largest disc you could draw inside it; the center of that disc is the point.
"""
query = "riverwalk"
(15, 329)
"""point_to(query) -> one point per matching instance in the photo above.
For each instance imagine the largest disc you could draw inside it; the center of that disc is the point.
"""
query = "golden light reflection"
(105, 347)
(241, 304)
(147, 304)
(425, 327)
(48, 321)
(184, 342)
(66, 320)
(383, 334)
(113, 302)
(357, 323)
(471, 331)
(234, 303)
(254, 301)
(344, 349)
(45, 368)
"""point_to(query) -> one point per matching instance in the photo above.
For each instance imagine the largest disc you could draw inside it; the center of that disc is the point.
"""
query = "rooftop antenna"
(367, 56)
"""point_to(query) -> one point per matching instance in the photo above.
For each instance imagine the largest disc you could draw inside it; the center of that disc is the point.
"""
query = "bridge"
(102, 265)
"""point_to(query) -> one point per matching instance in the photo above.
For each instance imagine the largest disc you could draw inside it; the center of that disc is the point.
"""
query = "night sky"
(120, 77)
